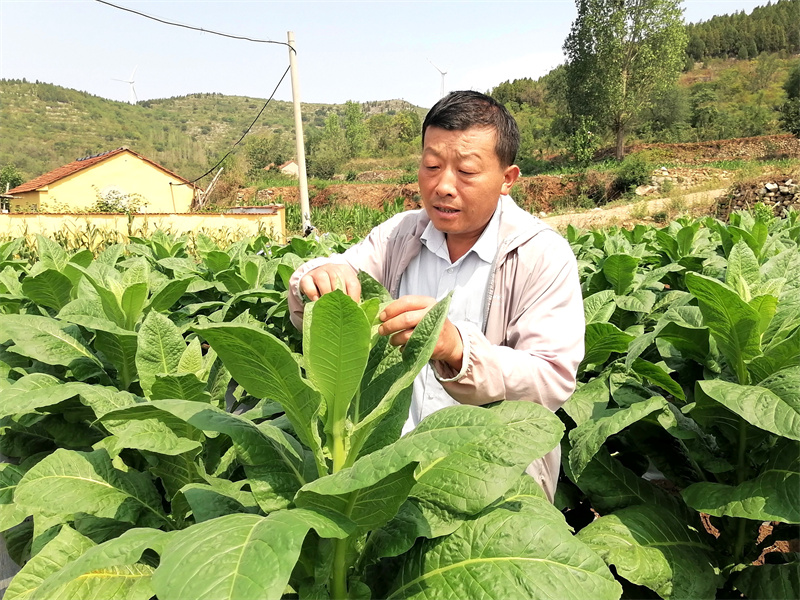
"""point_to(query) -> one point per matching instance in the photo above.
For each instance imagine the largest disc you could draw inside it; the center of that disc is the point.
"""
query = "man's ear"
(510, 177)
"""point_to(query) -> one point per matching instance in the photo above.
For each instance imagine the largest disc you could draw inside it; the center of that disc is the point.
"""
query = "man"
(515, 326)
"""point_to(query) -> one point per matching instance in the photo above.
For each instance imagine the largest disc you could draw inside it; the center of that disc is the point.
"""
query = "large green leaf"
(611, 486)
(266, 368)
(759, 405)
(589, 436)
(10, 513)
(217, 497)
(653, 547)
(132, 303)
(88, 482)
(770, 582)
(88, 313)
(111, 563)
(370, 507)
(160, 348)
(733, 323)
(520, 549)
(120, 350)
(387, 386)
(185, 386)
(641, 301)
(619, 270)
(444, 433)
(336, 344)
(67, 545)
(51, 254)
(589, 400)
(599, 307)
(49, 288)
(45, 339)
(167, 295)
(37, 390)
(772, 496)
(743, 273)
(109, 289)
(252, 556)
(784, 354)
(472, 476)
(658, 376)
(255, 445)
(601, 340)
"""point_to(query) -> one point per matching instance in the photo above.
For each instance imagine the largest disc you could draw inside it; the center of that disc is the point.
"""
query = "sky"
(361, 51)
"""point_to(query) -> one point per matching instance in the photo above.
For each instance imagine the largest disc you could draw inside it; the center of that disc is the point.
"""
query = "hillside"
(44, 126)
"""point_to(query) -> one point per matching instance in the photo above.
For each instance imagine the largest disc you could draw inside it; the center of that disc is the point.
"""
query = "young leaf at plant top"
(336, 345)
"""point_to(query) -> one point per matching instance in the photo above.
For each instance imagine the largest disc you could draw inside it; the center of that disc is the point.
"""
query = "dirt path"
(697, 203)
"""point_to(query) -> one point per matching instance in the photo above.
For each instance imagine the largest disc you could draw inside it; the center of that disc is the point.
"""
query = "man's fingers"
(325, 279)
(309, 288)
(402, 322)
(352, 287)
(406, 304)
(401, 339)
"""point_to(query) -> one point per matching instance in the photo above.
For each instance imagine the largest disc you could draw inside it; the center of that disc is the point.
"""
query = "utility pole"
(305, 210)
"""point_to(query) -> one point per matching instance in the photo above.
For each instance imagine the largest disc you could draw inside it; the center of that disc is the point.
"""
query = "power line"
(192, 27)
(227, 35)
(246, 131)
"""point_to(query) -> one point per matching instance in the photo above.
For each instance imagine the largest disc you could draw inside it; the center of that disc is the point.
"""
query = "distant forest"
(770, 28)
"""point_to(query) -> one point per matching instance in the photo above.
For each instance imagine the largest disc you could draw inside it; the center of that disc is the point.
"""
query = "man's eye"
(431, 167)
(463, 172)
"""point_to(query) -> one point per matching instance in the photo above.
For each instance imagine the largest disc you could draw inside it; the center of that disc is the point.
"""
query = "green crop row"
(173, 436)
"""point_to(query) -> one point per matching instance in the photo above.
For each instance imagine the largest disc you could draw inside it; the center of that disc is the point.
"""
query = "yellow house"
(118, 176)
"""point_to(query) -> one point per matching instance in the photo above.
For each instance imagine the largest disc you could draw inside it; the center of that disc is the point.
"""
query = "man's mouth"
(444, 209)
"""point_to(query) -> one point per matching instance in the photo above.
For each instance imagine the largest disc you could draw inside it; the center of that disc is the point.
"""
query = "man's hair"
(459, 111)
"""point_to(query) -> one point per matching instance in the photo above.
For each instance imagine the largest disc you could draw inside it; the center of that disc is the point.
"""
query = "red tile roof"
(84, 163)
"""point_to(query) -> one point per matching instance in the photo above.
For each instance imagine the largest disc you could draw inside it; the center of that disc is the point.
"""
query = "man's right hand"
(318, 282)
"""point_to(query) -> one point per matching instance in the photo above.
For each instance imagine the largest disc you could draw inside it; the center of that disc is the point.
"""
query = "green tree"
(264, 150)
(330, 152)
(10, 178)
(619, 52)
(790, 111)
(355, 130)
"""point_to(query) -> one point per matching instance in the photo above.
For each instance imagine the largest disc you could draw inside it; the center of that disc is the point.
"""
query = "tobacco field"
(172, 436)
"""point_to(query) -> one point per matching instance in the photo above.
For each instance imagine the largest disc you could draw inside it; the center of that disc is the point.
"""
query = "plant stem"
(338, 586)
(741, 468)
(339, 572)
(338, 452)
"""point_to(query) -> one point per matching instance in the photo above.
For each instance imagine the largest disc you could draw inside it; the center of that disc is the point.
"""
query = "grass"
(352, 221)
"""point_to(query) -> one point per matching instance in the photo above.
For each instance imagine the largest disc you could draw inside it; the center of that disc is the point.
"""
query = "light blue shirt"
(431, 273)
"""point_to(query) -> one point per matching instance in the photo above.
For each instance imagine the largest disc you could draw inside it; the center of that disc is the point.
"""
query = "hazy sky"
(361, 51)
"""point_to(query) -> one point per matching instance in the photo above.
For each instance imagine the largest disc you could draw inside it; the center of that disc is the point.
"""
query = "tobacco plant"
(144, 470)
(685, 429)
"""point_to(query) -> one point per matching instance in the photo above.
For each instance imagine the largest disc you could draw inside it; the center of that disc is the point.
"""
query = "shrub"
(584, 143)
(633, 171)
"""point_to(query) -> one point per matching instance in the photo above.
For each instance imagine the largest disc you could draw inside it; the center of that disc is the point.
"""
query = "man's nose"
(446, 185)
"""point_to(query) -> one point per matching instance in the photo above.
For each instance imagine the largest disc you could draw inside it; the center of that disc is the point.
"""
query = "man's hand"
(404, 314)
(318, 282)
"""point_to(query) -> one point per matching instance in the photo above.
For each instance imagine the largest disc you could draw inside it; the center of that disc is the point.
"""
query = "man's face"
(460, 181)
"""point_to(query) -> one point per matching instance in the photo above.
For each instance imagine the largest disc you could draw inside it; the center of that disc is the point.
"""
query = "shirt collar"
(486, 246)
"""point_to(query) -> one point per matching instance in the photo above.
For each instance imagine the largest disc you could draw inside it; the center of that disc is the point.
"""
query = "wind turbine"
(133, 98)
(443, 74)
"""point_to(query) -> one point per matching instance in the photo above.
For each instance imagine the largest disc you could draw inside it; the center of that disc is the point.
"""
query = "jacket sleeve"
(368, 255)
(544, 334)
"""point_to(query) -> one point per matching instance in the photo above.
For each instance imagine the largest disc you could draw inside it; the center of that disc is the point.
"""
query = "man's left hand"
(404, 314)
